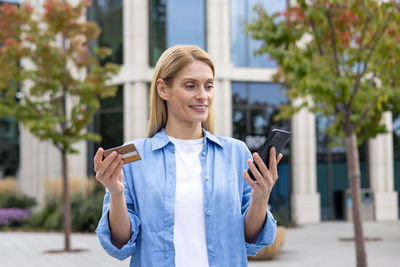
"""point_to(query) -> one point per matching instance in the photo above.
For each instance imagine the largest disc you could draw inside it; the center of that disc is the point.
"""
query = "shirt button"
(211, 249)
(209, 213)
(203, 153)
(206, 178)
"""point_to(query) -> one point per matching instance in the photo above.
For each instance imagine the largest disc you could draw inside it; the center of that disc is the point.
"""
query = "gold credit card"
(128, 152)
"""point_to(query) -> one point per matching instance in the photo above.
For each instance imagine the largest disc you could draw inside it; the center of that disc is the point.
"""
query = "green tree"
(344, 56)
(46, 61)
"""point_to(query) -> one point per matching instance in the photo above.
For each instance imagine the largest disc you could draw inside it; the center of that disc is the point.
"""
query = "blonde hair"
(173, 60)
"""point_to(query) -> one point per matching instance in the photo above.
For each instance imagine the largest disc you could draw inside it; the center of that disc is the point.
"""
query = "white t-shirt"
(189, 228)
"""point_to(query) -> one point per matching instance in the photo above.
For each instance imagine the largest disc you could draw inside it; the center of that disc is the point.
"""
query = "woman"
(189, 201)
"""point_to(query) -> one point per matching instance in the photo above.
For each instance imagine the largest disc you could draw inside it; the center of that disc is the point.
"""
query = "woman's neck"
(186, 132)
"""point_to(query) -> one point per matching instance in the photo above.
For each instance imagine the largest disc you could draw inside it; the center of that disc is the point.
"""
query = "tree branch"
(327, 111)
(366, 111)
(375, 74)
(360, 50)
(377, 36)
(333, 39)
(314, 27)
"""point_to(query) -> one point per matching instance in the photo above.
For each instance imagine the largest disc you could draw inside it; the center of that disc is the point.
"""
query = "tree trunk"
(66, 204)
(353, 169)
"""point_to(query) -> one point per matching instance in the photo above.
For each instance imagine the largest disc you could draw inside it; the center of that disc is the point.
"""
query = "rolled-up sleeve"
(103, 228)
(266, 236)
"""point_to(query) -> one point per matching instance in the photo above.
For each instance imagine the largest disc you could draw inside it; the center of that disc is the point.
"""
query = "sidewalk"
(310, 245)
(319, 246)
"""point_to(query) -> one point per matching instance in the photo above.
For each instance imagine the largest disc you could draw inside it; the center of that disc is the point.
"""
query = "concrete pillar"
(218, 27)
(136, 57)
(136, 33)
(223, 108)
(77, 163)
(380, 159)
(305, 199)
(136, 107)
(41, 161)
(218, 46)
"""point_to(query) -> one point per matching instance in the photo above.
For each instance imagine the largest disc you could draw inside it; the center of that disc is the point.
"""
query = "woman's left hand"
(265, 178)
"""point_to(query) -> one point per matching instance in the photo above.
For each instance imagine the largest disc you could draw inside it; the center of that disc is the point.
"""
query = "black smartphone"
(276, 138)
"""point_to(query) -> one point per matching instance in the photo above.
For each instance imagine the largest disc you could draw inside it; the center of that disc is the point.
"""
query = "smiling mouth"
(199, 108)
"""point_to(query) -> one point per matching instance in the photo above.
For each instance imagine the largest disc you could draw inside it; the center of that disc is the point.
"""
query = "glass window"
(175, 22)
(396, 150)
(109, 120)
(243, 46)
(157, 27)
(9, 148)
(11, 1)
(9, 135)
(332, 178)
(108, 123)
(108, 15)
(254, 106)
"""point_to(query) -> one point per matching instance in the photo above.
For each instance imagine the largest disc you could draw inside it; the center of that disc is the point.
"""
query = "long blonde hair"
(170, 63)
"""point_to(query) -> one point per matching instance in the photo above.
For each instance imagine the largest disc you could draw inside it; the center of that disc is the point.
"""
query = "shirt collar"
(212, 138)
(160, 139)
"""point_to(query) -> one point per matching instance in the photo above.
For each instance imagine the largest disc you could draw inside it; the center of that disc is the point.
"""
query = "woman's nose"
(201, 94)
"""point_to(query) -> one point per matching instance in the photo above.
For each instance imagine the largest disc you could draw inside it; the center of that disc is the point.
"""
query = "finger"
(261, 165)
(257, 175)
(279, 158)
(113, 167)
(119, 169)
(106, 163)
(117, 173)
(274, 170)
(272, 159)
(97, 159)
(248, 179)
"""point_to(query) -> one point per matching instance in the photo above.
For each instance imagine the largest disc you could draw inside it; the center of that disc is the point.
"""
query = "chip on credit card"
(128, 152)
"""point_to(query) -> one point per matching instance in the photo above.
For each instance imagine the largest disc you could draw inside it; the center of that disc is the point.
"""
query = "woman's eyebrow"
(189, 79)
(195, 80)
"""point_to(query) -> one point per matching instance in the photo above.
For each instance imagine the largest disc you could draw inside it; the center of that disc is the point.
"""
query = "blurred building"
(312, 177)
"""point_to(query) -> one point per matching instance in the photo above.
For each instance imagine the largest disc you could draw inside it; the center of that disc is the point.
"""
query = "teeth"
(200, 107)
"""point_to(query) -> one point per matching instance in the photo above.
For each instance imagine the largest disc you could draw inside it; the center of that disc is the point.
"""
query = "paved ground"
(311, 245)
(318, 245)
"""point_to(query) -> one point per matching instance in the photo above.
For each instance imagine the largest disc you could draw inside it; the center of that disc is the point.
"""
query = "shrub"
(20, 201)
(85, 213)
(49, 218)
(13, 215)
(15, 208)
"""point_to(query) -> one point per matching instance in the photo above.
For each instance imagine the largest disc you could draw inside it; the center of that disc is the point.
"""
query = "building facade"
(312, 177)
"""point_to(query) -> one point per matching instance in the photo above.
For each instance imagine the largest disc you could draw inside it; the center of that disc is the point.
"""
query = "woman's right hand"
(109, 171)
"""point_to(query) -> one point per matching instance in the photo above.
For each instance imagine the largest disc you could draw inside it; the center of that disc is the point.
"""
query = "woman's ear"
(162, 89)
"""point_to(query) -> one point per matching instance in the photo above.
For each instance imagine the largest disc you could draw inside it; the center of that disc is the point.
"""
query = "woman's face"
(190, 95)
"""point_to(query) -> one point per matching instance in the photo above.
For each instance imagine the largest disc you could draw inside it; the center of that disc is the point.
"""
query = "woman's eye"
(190, 86)
(209, 86)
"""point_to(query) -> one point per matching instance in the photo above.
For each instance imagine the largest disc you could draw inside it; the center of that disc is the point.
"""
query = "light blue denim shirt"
(150, 195)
